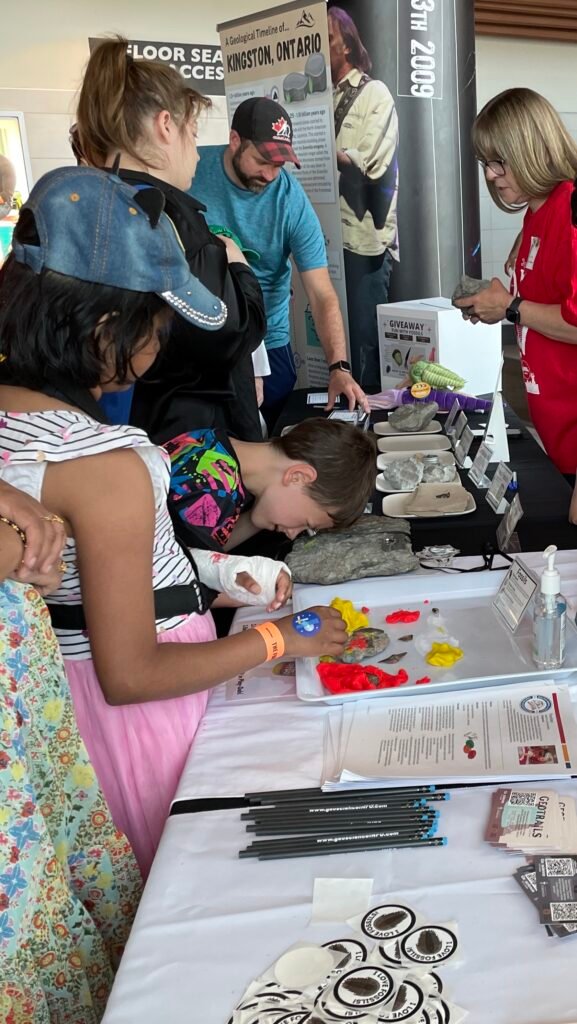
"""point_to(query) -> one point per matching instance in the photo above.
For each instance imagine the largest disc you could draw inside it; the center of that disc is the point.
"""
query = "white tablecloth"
(209, 923)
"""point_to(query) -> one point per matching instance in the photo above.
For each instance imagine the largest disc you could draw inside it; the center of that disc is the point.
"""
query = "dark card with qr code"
(526, 877)
(557, 889)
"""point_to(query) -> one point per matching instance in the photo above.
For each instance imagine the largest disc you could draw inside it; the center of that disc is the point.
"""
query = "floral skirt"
(69, 884)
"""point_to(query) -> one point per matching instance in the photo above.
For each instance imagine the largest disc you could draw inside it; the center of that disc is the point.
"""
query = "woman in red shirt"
(530, 161)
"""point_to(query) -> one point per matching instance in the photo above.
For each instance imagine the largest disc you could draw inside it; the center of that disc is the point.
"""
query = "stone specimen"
(414, 417)
(373, 546)
(403, 474)
(469, 286)
(364, 643)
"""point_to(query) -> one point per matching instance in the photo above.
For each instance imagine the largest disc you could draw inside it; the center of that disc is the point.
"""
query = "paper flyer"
(514, 732)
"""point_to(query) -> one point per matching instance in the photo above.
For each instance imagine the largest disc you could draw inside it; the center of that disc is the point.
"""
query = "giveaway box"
(432, 329)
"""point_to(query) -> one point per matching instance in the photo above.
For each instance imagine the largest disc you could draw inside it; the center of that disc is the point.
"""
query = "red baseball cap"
(268, 126)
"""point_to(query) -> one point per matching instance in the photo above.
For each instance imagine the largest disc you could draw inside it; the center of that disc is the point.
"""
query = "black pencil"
(261, 828)
(336, 838)
(318, 807)
(272, 796)
(292, 813)
(366, 845)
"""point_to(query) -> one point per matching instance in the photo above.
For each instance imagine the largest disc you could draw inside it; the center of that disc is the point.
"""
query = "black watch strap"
(513, 313)
(340, 365)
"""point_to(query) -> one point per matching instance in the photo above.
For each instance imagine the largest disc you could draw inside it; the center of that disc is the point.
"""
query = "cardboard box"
(434, 330)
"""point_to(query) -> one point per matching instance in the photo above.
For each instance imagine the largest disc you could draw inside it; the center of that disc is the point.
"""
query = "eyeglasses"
(497, 167)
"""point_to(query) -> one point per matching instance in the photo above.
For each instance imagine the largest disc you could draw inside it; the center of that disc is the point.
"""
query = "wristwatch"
(340, 365)
(513, 312)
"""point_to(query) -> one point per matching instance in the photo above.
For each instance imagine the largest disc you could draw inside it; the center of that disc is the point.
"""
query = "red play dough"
(472, 754)
(365, 611)
(402, 616)
(359, 642)
(340, 678)
(424, 679)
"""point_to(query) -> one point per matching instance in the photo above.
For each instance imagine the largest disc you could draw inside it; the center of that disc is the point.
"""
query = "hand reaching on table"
(330, 639)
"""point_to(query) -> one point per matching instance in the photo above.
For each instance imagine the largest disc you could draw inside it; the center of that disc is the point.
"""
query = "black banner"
(199, 63)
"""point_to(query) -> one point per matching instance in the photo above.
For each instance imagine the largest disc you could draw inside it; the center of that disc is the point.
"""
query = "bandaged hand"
(254, 581)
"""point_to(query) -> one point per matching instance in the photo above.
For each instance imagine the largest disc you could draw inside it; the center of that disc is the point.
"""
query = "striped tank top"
(28, 441)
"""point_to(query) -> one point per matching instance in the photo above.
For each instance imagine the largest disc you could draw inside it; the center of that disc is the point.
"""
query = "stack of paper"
(551, 885)
(513, 733)
(532, 821)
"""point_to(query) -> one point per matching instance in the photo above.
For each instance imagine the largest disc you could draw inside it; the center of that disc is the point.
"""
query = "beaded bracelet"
(273, 639)
(14, 526)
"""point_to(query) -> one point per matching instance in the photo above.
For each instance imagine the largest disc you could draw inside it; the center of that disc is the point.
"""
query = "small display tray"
(385, 428)
(396, 506)
(492, 655)
(383, 460)
(410, 445)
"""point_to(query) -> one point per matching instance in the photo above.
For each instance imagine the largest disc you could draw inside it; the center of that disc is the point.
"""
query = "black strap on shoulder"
(350, 93)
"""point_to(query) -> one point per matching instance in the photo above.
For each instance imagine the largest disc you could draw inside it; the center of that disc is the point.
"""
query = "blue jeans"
(279, 384)
(367, 279)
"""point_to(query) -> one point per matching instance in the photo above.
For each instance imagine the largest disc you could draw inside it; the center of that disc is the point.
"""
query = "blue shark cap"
(95, 227)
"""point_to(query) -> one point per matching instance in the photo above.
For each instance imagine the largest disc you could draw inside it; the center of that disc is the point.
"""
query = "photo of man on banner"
(367, 139)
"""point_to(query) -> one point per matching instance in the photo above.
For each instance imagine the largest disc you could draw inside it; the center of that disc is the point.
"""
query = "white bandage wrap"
(219, 571)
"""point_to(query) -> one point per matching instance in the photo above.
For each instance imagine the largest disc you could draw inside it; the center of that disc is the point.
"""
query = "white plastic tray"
(396, 506)
(385, 428)
(426, 443)
(492, 655)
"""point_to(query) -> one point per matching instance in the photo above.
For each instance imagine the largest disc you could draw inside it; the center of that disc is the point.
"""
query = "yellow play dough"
(443, 655)
(353, 618)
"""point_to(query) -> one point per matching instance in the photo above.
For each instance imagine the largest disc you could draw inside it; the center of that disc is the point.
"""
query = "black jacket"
(203, 378)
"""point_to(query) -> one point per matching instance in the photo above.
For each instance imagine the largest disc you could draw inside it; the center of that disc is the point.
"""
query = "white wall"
(549, 68)
(42, 60)
(41, 69)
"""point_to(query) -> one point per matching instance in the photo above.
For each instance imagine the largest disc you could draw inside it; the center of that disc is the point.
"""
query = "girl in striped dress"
(71, 326)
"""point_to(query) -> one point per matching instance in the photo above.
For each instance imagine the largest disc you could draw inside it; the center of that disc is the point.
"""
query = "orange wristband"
(273, 639)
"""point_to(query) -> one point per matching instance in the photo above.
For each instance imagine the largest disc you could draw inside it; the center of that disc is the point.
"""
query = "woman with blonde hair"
(141, 117)
(530, 160)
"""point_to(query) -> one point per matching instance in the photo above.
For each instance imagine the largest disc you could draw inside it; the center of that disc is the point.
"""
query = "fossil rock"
(403, 474)
(469, 286)
(439, 472)
(373, 546)
(414, 417)
(364, 643)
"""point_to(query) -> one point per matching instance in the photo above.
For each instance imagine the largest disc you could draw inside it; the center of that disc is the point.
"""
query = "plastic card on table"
(514, 595)
(496, 494)
(463, 447)
(508, 524)
(318, 398)
(451, 417)
(477, 472)
(460, 424)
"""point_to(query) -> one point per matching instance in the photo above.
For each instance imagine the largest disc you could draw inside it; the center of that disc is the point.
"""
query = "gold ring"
(53, 518)
(62, 566)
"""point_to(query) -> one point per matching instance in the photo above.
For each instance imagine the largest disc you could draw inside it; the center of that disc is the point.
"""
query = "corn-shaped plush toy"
(435, 375)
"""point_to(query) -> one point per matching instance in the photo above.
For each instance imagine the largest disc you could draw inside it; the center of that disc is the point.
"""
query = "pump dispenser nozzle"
(550, 578)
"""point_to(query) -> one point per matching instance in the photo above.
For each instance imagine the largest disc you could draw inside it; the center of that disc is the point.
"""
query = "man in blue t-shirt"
(246, 189)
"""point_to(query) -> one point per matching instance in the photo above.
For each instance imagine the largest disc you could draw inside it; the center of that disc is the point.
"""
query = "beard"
(253, 184)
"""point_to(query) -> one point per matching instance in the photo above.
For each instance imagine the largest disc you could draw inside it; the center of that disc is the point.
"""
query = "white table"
(209, 923)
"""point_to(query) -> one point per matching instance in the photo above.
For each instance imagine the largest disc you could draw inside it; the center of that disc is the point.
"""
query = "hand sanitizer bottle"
(549, 616)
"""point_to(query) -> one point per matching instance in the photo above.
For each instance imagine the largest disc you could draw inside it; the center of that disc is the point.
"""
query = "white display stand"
(434, 330)
(496, 432)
